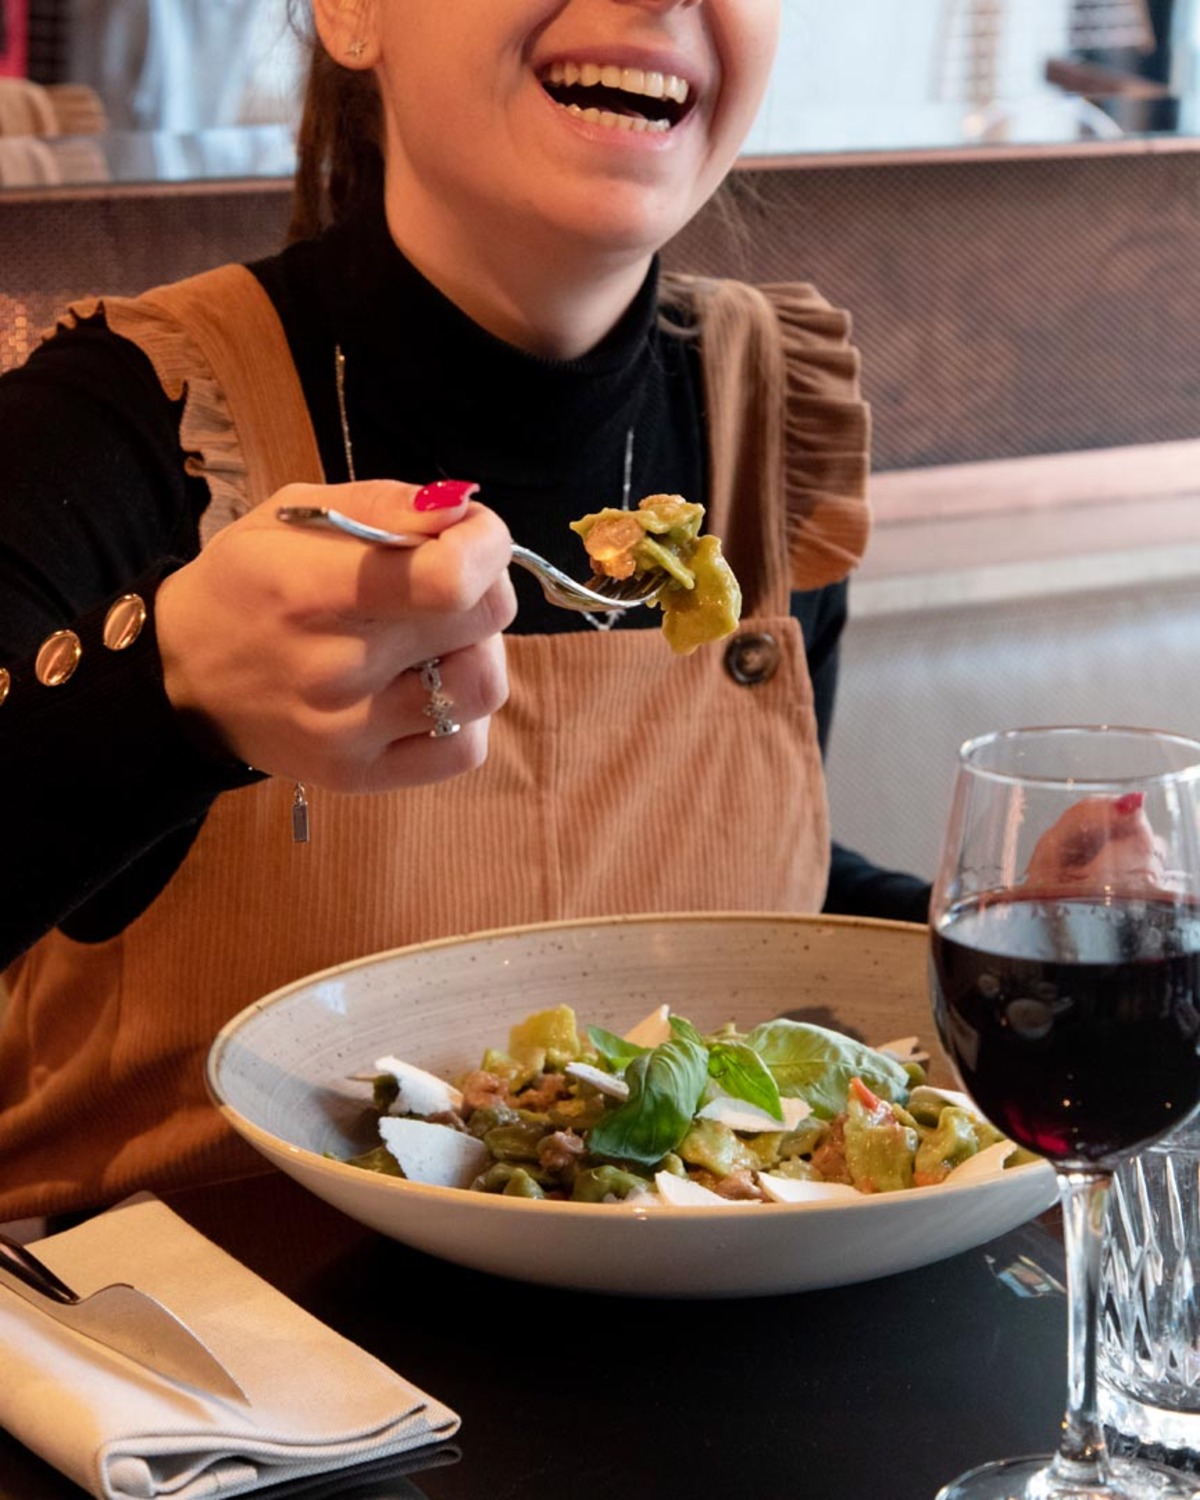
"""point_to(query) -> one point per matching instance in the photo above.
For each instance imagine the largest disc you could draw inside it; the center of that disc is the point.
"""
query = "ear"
(349, 31)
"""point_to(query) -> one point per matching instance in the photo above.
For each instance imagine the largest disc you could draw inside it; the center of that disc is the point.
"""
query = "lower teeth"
(638, 124)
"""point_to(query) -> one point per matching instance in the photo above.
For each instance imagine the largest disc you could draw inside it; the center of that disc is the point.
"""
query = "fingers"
(296, 645)
(1098, 844)
(450, 574)
(425, 754)
(461, 567)
(385, 504)
(390, 740)
(370, 611)
(421, 761)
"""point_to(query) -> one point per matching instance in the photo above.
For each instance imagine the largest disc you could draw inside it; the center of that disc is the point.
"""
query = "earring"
(356, 48)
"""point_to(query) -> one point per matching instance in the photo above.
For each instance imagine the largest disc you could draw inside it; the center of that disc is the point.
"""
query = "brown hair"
(339, 146)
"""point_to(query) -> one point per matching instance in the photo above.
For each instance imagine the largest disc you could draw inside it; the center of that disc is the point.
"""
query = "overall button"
(752, 658)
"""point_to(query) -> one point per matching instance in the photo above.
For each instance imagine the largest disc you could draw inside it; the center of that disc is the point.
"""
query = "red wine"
(1073, 1024)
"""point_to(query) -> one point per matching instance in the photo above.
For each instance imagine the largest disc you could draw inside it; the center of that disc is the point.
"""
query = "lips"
(635, 99)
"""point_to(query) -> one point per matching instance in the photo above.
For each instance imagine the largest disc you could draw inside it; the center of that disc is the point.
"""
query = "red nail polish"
(444, 494)
(1131, 802)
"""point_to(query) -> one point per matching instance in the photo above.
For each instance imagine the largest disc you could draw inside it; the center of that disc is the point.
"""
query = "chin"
(625, 222)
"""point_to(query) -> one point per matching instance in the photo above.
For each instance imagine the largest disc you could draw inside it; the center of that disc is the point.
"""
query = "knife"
(121, 1318)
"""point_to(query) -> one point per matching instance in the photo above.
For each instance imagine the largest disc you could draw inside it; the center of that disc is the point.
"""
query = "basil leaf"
(812, 1063)
(665, 1086)
(615, 1050)
(681, 1026)
(743, 1075)
(738, 1069)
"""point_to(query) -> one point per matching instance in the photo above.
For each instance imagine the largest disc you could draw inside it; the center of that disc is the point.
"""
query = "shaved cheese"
(606, 1083)
(986, 1163)
(748, 1118)
(799, 1190)
(682, 1192)
(421, 1093)
(904, 1049)
(952, 1096)
(435, 1154)
(651, 1030)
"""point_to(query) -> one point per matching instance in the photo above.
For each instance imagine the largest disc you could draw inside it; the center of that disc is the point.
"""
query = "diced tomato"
(869, 1101)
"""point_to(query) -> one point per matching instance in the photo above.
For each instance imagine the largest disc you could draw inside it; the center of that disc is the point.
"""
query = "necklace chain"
(610, 617)
(339, 376)
(604, 621)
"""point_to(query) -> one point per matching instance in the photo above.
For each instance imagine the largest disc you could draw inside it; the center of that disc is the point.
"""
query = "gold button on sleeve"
(123, 622)
(5, 683)
(57, 658)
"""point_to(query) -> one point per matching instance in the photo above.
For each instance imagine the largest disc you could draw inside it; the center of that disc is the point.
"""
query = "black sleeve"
(857, 888)
(102, 785)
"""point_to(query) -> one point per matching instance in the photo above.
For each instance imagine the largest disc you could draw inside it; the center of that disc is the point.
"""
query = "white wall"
(874, 72)
(913, 687)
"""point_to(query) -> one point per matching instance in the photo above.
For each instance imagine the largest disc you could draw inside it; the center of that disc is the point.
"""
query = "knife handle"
(21, 1262)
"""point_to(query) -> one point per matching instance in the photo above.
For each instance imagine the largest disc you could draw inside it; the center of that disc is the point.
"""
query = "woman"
(478, 346)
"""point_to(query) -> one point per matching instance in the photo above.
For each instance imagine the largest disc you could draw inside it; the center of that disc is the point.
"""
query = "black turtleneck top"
(102, 786)
(431, 395)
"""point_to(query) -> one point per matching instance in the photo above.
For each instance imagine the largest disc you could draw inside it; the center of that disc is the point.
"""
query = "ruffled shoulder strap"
(827, 447)
(786, 421)
(217, 344)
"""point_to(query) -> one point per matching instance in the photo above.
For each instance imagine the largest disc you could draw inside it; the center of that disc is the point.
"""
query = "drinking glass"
(1148, 1359)
(1065, 971)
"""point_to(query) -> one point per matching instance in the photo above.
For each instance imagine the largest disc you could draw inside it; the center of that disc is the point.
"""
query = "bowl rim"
(380, 1183)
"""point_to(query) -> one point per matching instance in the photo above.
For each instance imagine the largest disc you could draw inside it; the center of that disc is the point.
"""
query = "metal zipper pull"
(300, 827)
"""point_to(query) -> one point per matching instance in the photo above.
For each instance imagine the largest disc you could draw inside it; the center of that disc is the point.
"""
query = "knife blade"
(120, 1317)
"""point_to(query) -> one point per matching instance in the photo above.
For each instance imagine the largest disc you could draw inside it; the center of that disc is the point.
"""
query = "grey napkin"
(316, 1403)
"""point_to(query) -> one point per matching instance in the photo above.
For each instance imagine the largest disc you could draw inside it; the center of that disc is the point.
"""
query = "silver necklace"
(301, 818)
(604, 621)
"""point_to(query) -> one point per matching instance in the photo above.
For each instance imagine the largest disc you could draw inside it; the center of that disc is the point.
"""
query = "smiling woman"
(460, 156)
(468, 340)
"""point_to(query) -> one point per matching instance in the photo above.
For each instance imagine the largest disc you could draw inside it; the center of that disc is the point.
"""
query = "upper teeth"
(630, 80)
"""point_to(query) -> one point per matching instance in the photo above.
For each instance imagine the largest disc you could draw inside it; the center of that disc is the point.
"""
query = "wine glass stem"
(1082, 1456)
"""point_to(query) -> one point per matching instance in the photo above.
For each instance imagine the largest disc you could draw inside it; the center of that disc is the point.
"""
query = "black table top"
(879, 1391)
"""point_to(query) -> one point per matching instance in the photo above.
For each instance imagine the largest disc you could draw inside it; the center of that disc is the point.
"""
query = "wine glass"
(1065, 971)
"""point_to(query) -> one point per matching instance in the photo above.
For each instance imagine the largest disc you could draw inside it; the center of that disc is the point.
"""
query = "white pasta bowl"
(282, 1072)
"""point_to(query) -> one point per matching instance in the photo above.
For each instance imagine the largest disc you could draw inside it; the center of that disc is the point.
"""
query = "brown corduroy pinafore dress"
(607, 738)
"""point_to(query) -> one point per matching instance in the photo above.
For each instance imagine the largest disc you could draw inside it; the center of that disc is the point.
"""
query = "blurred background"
(871, 75)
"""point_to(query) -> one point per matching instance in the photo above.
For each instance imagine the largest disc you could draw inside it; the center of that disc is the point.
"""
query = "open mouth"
(620, 98)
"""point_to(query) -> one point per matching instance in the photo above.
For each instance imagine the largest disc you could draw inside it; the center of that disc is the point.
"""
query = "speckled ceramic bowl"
(281, 1074)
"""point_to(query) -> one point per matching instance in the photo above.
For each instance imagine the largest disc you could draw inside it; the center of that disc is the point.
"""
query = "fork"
(558, 587)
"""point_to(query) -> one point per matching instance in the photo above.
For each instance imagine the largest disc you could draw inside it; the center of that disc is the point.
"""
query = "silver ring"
(439, 705)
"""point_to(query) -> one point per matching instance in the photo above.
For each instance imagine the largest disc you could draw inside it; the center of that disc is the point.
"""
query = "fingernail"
(444, 494)
(1131, 802)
